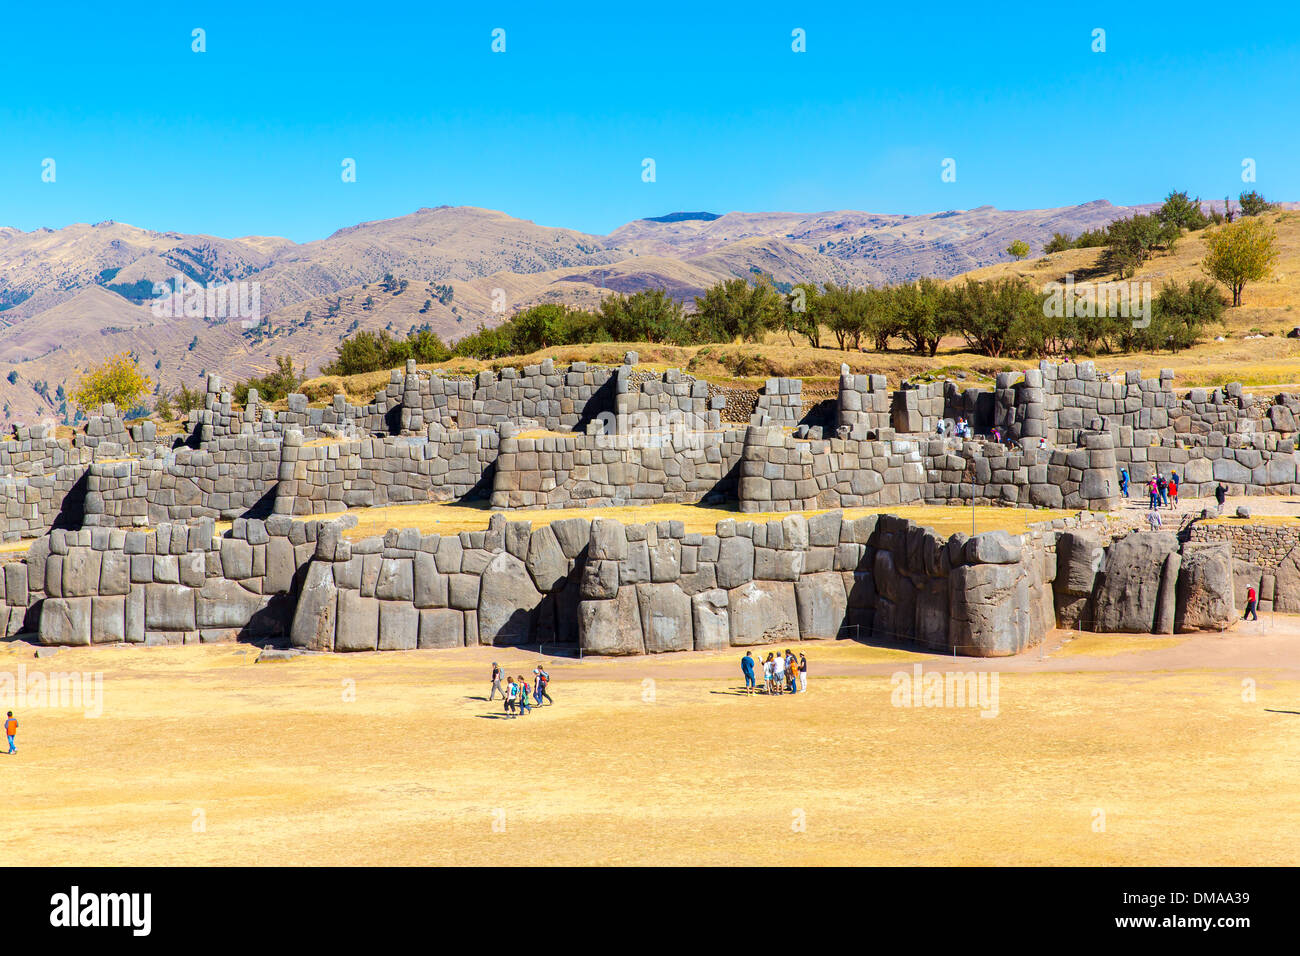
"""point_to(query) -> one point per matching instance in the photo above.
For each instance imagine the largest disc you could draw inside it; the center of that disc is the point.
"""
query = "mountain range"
(70, 296)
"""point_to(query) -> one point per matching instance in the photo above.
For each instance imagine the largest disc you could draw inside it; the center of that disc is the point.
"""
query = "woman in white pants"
(803, 674)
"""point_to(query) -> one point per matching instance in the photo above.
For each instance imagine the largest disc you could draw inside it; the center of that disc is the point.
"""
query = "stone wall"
(226, 478)
(780, 472)
(600, 469)
(177, 583)
(366, 472)
(780, 402)
(656, 588)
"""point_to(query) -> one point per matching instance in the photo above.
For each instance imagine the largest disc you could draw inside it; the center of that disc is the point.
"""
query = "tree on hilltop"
(1240, 252)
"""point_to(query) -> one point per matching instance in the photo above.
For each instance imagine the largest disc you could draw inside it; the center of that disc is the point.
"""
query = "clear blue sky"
(249, 136)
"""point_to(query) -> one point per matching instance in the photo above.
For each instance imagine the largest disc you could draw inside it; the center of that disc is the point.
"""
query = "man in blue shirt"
(747, 668)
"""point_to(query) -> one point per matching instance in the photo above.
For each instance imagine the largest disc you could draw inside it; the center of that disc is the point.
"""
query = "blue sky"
(249, 137)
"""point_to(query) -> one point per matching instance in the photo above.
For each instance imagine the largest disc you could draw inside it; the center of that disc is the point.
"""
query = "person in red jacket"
(11, 729)
(1250, 614)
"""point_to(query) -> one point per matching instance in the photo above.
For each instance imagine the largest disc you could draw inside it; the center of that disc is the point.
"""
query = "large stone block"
(224, 604)
(358, 622)
(430, 584)
(666, 622)
(315, 615)
(989, 610)
(546, 563)
(611, 627)
(763, 612)
(442, 627)
(1127, 596)
(735, 562)
(169, 607)
(399, 626)
(507, 602)
(822, 604)
(107, 619)
(65, 621)
(711, 620)
(1205, 598)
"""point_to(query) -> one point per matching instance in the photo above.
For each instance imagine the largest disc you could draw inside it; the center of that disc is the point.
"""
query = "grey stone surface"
(710, 619)
(1205, 589)
(763, 612)
(822, 604)
(507, 602)
(666, 619)
(315, 615)
(1127, 597)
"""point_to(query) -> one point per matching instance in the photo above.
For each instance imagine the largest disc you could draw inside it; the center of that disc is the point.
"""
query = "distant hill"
(72, 295)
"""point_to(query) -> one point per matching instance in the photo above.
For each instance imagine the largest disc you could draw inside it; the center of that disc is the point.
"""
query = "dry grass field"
(448, 518)
(1147, 755)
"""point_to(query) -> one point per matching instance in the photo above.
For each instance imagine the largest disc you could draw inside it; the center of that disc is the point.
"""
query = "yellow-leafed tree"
(117, 381)
(1242, 252)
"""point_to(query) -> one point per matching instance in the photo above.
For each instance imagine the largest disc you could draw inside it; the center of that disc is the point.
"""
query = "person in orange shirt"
(11, 728)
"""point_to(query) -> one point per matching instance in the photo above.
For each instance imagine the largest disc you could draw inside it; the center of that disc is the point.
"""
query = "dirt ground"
(1105, 749)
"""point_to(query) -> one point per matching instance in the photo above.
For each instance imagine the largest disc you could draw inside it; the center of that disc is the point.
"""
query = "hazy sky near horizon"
(250, 136)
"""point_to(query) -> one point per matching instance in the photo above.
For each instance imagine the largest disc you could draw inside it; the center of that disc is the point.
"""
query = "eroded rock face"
(1127, 597)
(1205, 597)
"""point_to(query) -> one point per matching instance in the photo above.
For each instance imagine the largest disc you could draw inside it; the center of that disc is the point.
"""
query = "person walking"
(524, 706)
(496, 683)
(11, 731)
(803, 674)
(1154, 488)
(1123, 482)
(543, 682)
(1153, 518)
(512, 697)
(747, 668)
(1250, 615)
